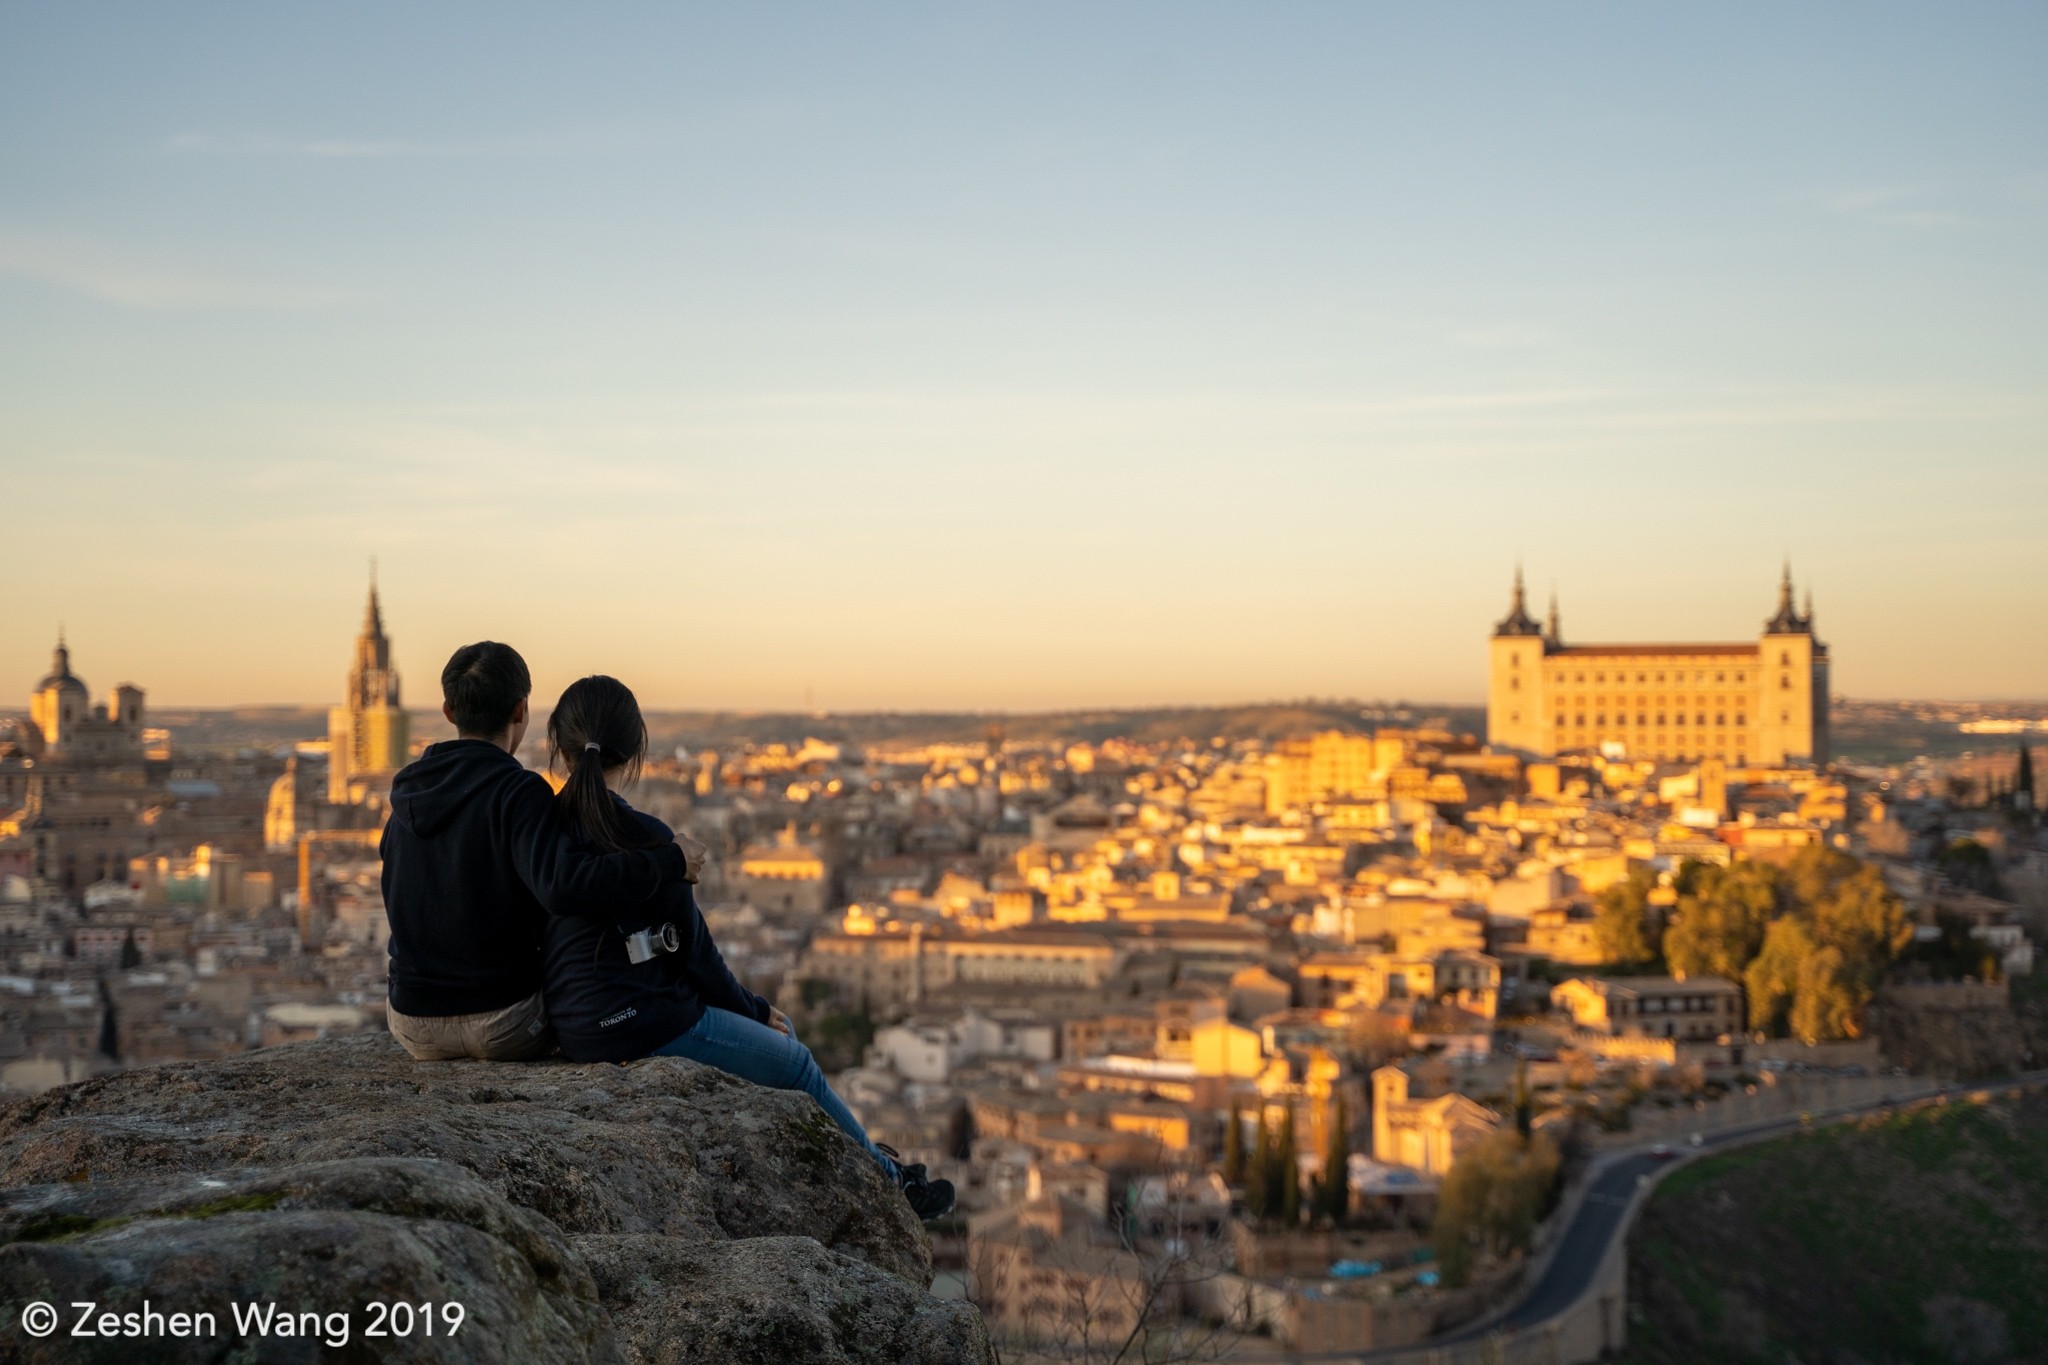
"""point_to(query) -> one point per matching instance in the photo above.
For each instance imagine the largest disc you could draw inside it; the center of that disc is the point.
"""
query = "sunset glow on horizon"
(1009, 358)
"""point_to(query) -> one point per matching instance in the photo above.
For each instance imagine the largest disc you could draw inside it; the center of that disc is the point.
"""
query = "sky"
(1017, 356)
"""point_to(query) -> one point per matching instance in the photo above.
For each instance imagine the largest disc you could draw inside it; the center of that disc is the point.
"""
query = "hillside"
(275, 727)
(1916, 1237)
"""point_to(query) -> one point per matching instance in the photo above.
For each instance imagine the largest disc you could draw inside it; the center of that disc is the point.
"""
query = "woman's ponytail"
(594, 728)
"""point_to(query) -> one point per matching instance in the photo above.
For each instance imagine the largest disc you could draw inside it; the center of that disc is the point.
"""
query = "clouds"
(196, 143)
(2006, 201)
(1505, 336)
(1896, 206)
(112, 276)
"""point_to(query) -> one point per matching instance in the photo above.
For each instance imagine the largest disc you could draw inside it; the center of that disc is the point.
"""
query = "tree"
(1233, 1146)
(1866, 922)
(131, 954)
(1954, 953)
(110, 1024)
(1718, 927)
(1333, 1192)
(1967, 865)
(1287, 1172)
(1525, 1109)
(1828, 1002)
(1823, 960)
(1621, 920)
(1772, 981)
(1492, 1198)
(1816, 874)
(1258, 1189)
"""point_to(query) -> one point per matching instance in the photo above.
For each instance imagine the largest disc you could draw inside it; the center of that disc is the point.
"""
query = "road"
(1599, 1219)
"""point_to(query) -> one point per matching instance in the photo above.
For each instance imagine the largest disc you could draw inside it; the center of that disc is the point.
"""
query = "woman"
(655, 985)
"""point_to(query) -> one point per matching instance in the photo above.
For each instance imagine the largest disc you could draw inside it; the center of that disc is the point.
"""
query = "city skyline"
(1520, 601)
(1019, 360)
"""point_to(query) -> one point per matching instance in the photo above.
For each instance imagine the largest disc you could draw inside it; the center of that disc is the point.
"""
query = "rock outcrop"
(657, 1211)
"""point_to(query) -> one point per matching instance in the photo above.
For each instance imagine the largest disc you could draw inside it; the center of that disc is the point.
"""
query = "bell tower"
(369, 733)
(1515, 708)
(1792, 685)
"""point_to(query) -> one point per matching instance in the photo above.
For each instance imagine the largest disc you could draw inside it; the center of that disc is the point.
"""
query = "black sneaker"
(928, 1198)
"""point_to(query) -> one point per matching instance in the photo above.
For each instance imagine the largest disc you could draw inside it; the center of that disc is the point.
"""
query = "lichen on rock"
(591, 1212)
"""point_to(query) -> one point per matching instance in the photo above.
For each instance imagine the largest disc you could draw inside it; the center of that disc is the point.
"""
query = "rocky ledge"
(654, 1212)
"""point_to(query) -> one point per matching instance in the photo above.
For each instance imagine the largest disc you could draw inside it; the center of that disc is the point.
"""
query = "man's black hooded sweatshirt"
(474, 861)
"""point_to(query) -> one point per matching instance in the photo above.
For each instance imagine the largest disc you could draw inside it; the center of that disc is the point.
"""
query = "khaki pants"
(517, 1033)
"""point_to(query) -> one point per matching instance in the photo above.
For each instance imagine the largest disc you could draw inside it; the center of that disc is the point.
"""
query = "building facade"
(72, 726)
(788, 874)
(369, 735)
(74, 780)
(1763, 704)
(1690, 1009)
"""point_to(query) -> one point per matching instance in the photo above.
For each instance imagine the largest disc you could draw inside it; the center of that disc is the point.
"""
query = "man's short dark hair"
(483, 685)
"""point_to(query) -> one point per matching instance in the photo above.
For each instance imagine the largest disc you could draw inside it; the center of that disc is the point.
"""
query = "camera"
(644, 944)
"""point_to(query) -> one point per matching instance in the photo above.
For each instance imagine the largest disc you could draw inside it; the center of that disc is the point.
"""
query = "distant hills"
(1877, 732)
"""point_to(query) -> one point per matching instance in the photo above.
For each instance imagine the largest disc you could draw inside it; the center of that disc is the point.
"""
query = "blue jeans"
(754, 1052)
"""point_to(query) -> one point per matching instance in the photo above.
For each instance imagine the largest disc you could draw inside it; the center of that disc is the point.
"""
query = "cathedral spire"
(373, 611)
(1518, 621)
(1787, 621)
(368, 734)
(1551, 628)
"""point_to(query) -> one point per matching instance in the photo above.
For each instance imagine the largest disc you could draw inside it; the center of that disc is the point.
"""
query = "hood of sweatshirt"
(428, 793)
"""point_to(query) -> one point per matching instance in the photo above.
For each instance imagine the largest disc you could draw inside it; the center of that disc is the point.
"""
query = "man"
(474, 861)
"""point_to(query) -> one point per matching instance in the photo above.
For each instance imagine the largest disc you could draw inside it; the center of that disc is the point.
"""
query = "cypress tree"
(1233, 1146)
(1257, 1185)
(1288, 1169)
(1335, 1189)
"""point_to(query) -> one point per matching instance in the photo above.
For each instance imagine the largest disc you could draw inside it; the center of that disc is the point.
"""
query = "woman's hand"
(779, 1021)
(695, 855)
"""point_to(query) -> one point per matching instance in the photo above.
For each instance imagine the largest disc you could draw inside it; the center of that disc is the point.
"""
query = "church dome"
(60, 675)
